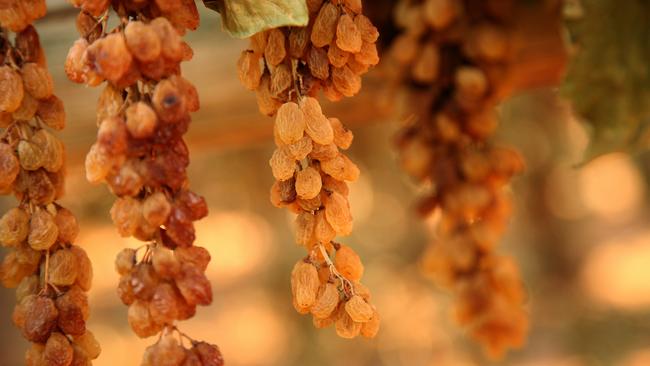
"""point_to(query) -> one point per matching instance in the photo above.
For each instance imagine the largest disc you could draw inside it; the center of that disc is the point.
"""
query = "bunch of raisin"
(142, 115)
(51, 274)
(310, 169)
(311, 175)
(454, 58)
(329, 54)
(170, 351)
(162, 287)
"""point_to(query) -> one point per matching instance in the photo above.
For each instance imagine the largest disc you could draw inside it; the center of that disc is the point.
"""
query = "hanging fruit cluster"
(454, 57)
(287, 67)
(142, 114)
(51, 274)
(329, 54)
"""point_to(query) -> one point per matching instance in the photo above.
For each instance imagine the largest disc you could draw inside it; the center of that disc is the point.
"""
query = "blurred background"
(580, 233)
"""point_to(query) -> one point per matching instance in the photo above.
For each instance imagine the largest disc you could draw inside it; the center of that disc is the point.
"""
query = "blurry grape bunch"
(454, 58)
(287, 67)
(142, 114)
(51, 274)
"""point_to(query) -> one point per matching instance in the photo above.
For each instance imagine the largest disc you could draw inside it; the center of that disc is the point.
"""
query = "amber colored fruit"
(156, 209)
(326, 301)
(348, 263)
(34, 355)
(58, 350)
(84, 268)
(67, 224)
(348, 36)
(298, 41)
(89, 344)
(167, 351)
(323, 231)
(290, 123)
(29, 285)
(305, 223)
(88, 27)
(209, 354)
(358, 309)
(125, 261)
(166, 265)
(324, 28)
(308, 183)
(168, 102)
(341, 168)
(195, 255)
(62, 268)
(144, 281)
(29, 46)
(141, 321)
(369, 32)
(14, 227)
(194, 285)
(337, 213)
(258, 42)
(110, 57)
(301, 148)
(11, 89)
(283, 165)
(40, 318)
(336, 56)
(142, 40)
(281, 80)
(127, 215)
(249, 70)
(163, 306)
(141, 120)
(266, 102)
(9, 166)
(171, 42)
(43, 231)
(37, 81)
(346, 81)
(275, 50)
(73, 312)
(317, 125)
(319, 63)
(304, 284)
(51, 112)
(370, 328)
(346, 327)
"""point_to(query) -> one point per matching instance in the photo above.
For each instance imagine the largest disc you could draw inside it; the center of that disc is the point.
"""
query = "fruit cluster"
(142, 114)
(455, 64)
(51, 274)
(330, 54)
(170, 351)
(164, 286)
(287, 67)
(311, 175)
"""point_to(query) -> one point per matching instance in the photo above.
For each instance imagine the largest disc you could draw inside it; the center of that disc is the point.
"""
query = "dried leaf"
(243, 18)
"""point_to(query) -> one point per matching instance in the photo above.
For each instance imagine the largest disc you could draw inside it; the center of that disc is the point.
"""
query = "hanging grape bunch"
(287, 67)
(49, 272)
(142, 114)
(455, 65)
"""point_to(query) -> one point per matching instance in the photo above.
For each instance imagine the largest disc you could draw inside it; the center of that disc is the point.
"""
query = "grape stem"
(335, 272)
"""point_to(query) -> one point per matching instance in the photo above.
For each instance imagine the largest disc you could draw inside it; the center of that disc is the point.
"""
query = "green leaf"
(243, 18)
(609, 79)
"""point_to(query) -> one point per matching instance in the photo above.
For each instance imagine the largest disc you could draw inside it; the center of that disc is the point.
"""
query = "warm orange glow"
(611, 186)
(617, 272)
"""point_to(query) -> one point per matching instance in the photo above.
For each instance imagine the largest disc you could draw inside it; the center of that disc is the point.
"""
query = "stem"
(333, 271)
